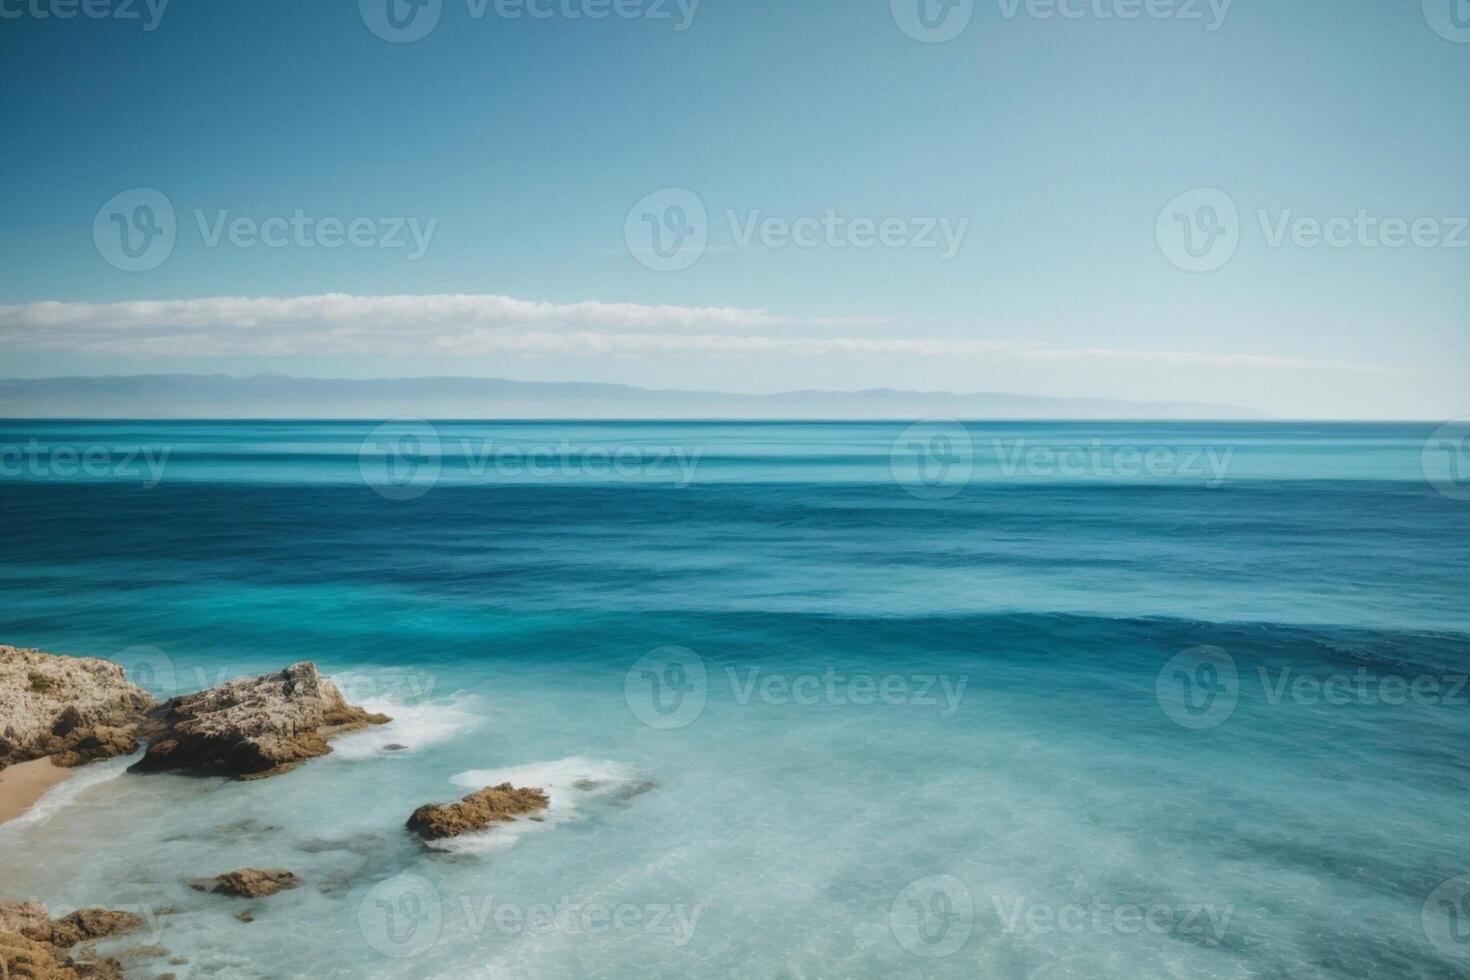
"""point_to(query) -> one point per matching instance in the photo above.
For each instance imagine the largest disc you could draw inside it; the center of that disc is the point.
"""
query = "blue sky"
(1046, 146)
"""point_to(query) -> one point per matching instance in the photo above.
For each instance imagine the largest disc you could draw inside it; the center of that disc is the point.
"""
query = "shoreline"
(23, 784)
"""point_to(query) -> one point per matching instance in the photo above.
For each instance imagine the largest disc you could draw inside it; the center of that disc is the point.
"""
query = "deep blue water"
(846, 700)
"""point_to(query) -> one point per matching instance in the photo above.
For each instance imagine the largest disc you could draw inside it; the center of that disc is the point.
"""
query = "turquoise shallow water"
(810, 700)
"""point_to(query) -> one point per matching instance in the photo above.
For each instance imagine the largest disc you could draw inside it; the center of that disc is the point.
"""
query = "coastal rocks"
(35, 947)
(475, 812)
(248, 883)
(85, 924)
(29, 919)
(73, 709)
(25, 918)
(26, 959)
(251, 728)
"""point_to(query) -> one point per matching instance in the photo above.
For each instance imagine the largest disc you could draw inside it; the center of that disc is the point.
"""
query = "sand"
(22, 784)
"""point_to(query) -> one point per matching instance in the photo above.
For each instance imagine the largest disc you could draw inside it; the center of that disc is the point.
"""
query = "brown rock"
(136, 953)
(74, 709)
(102, 969)
(251, 728)
(27, 919)
(477, 811)
(34, 946)
(26, 959)
(30, 920)
(248, 883)
(85, 924)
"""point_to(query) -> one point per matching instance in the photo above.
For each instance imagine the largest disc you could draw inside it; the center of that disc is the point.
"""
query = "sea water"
(808, 700)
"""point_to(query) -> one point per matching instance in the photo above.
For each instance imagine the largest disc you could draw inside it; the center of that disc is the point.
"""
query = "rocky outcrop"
(252, 727)
(73, 709)
(248, 882)
(494, 804)
(26, 959)
(25, 918)
(36, 947)
(30, 920)
(85, 924)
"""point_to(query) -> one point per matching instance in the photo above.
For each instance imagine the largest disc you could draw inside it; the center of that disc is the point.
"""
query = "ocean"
(1038, 700)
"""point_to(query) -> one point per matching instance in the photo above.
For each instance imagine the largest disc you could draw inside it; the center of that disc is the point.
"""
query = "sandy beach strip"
(22, 784)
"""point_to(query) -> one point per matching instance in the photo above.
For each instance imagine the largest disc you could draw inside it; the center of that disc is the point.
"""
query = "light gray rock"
(73, 709)
(252, 727)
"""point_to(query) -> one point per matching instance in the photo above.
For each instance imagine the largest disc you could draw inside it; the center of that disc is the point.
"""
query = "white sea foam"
(567, 783)
(416, 724)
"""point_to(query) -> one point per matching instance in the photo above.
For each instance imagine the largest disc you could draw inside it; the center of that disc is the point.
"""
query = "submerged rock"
(73, 709)
(624, 795)
(247, 826)
(136, 953)
(35, 947)
(494, 804)
(252, 727)
(248, 882)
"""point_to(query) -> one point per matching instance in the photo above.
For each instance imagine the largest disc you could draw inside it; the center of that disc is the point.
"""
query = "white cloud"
(334, 310)
(469, 325)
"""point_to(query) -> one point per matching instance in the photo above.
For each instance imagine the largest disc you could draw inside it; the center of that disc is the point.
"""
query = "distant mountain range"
(274, 396)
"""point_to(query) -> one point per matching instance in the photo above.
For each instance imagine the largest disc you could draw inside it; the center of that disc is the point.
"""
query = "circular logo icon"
(1446, 918)
(667, 688)
(151, 669)
(1198, 688)
(401, 459)
(933, 917)
(933, 459)
(400, 21)
(1199, 230)
(135, 230)
(401, 917)
(667, 231)
(1446, 459)
(1449, 18)
(932, 21)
